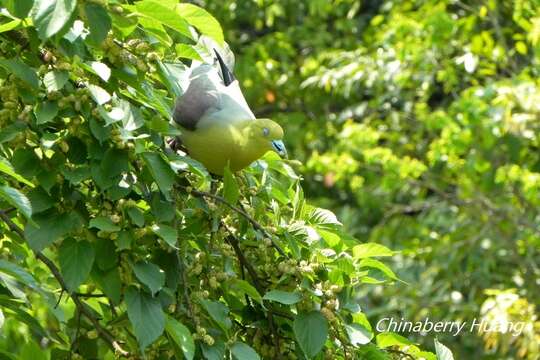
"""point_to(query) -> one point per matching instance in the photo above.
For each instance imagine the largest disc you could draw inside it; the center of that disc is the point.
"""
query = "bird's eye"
(266, 132)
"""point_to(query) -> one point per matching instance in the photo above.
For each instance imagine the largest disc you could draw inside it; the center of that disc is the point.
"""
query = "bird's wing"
(200, 97)
(213, 95)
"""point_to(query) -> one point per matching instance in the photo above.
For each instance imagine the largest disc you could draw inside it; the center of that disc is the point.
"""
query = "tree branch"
(252, 221)
(81, 306)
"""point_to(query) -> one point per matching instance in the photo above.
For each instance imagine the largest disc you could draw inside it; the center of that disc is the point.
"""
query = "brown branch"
(89, 295)
(252, 221)
(81, 306)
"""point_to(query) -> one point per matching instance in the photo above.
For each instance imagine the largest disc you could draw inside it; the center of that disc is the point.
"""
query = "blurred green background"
(417, 122)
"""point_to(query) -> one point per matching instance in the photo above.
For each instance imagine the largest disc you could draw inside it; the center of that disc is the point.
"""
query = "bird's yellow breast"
(217, 146)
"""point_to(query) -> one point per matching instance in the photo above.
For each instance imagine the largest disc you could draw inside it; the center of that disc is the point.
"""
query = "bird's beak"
(279, 147)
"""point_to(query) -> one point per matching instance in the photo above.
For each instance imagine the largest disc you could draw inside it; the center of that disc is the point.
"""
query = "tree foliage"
(417, 123)
(414, 121)
(115, 246)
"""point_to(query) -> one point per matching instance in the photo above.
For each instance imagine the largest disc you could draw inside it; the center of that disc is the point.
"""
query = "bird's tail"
(226, 73)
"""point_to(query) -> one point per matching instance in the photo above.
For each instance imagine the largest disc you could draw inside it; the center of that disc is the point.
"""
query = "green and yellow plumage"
(218, 127)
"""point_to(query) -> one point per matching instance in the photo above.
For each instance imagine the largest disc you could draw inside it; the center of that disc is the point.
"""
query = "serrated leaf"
(370, 250)
(443, 353)
(150, 275)
(22, 71)
(283, 297)
(55, 80)
(76, 259)
(358, 335)
(101, 70)
(219, 312)
(376, 264)
(100, 95)
(50, 16)
(160, 170)
(322, 216)
(245, 288)
(136, 216)
(50, 227)
(18, 199)
(166, 232)
(103, 223)
(99, 22)
(243, 351)
(46, 111)
(181, 337)
(311, 332)
(387, 339)
(7, 168)
(146, 316)
(19, 273)
(160, 13)
(202, 20)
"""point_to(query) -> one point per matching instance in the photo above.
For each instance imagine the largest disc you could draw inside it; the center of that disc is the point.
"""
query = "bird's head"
(266, 135)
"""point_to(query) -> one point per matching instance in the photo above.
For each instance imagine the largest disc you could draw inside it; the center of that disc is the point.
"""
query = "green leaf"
(243, 351)
(186, 51)
(46, 112)
(99, 22)
(133, 118)
(214, 352)
(50, 16)
(245, 288)
(76, 259)
(166, 232)
(202, 20)
(101, 70)
(387, 339)
(376, 264)
(100, 95)
(283, 297)
(110, 282)
(55, 80)
(18, 199)
(19, 8)
(146, 316)
(50, 227)
(103, 223)
(371, 250)
(19, 273)
(311, 332)
(358, 335)
(219, 312)
(156, 11)
(181, 337)
(115, 162)
(321, 216)
(10, 25)
(150, 275)
(22, 71)
(230, 187)
(160, 170)
(136, 216)
(7, 168)
(443, 353)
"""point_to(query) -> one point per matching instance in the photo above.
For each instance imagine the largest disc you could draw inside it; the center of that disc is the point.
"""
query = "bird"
(217, 127)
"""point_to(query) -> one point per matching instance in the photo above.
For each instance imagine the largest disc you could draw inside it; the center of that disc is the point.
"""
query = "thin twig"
(103, 333)
(252, 221)
(89, 295)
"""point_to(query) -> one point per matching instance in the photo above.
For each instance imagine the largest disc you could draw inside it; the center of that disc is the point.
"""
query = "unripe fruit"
(208, 340)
